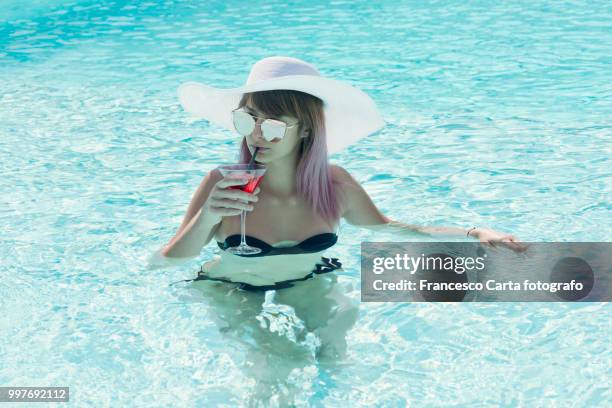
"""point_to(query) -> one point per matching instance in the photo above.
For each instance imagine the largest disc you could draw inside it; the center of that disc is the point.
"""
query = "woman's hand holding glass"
(225, 201)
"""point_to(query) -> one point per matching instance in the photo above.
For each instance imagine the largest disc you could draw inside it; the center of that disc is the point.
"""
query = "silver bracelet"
(470, 230)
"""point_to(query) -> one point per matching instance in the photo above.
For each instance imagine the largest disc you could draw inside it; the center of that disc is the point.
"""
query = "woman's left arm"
(360, 210)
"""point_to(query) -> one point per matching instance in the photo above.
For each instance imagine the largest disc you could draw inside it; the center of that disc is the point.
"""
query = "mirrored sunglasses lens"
(243, 122)
(273, 129)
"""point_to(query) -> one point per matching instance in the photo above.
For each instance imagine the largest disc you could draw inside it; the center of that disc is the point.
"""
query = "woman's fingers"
(514, 244)
(224, 212)
(232, 204)
(227, 201)
(490, 243)
(508, 241)
(224, 190)
(235, 195)
(230, 182)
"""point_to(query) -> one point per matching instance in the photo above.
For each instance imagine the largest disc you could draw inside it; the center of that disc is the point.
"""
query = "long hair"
(314, 181)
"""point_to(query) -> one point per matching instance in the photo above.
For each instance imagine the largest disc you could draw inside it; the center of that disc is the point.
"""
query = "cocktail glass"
(254, 173)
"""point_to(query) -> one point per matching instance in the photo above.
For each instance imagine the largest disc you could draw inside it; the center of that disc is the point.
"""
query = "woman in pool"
(294, 117)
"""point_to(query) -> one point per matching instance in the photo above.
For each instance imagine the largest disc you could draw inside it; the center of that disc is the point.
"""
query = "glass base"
(243, 250)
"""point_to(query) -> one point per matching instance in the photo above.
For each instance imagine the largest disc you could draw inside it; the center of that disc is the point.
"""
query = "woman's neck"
(280, 177)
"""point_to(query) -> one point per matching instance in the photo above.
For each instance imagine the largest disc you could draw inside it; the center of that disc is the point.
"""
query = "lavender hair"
(314, 181)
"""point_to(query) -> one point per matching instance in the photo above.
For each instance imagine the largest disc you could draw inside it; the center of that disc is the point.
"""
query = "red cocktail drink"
(251, 185)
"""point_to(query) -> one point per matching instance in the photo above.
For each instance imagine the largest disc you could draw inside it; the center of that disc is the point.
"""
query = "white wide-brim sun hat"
(350, 114)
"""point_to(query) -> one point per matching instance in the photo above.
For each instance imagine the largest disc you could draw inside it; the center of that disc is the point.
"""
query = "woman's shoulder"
(341, 177)
(357, 206)
(345, 185)
(338, 173)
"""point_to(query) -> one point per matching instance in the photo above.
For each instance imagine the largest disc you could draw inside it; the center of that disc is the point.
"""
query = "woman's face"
(271, 151)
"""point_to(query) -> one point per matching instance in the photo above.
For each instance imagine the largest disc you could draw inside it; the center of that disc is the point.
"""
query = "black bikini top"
(315, 243)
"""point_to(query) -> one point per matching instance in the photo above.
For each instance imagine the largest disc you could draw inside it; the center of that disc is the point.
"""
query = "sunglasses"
(273, 130)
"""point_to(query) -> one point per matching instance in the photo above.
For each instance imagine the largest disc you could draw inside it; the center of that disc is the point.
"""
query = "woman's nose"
(257, 135)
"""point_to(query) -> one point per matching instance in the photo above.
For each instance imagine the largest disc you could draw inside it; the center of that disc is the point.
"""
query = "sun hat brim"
(350, 114)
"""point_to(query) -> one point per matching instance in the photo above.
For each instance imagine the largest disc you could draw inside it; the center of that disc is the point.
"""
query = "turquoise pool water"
(498, 115)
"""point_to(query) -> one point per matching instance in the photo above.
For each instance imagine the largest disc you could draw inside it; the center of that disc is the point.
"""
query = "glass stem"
(243, 228)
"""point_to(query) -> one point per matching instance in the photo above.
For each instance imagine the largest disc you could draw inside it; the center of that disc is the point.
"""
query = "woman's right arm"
(212, 201)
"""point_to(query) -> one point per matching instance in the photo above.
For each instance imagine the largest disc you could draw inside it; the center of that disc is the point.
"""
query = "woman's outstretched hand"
(493, 238)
